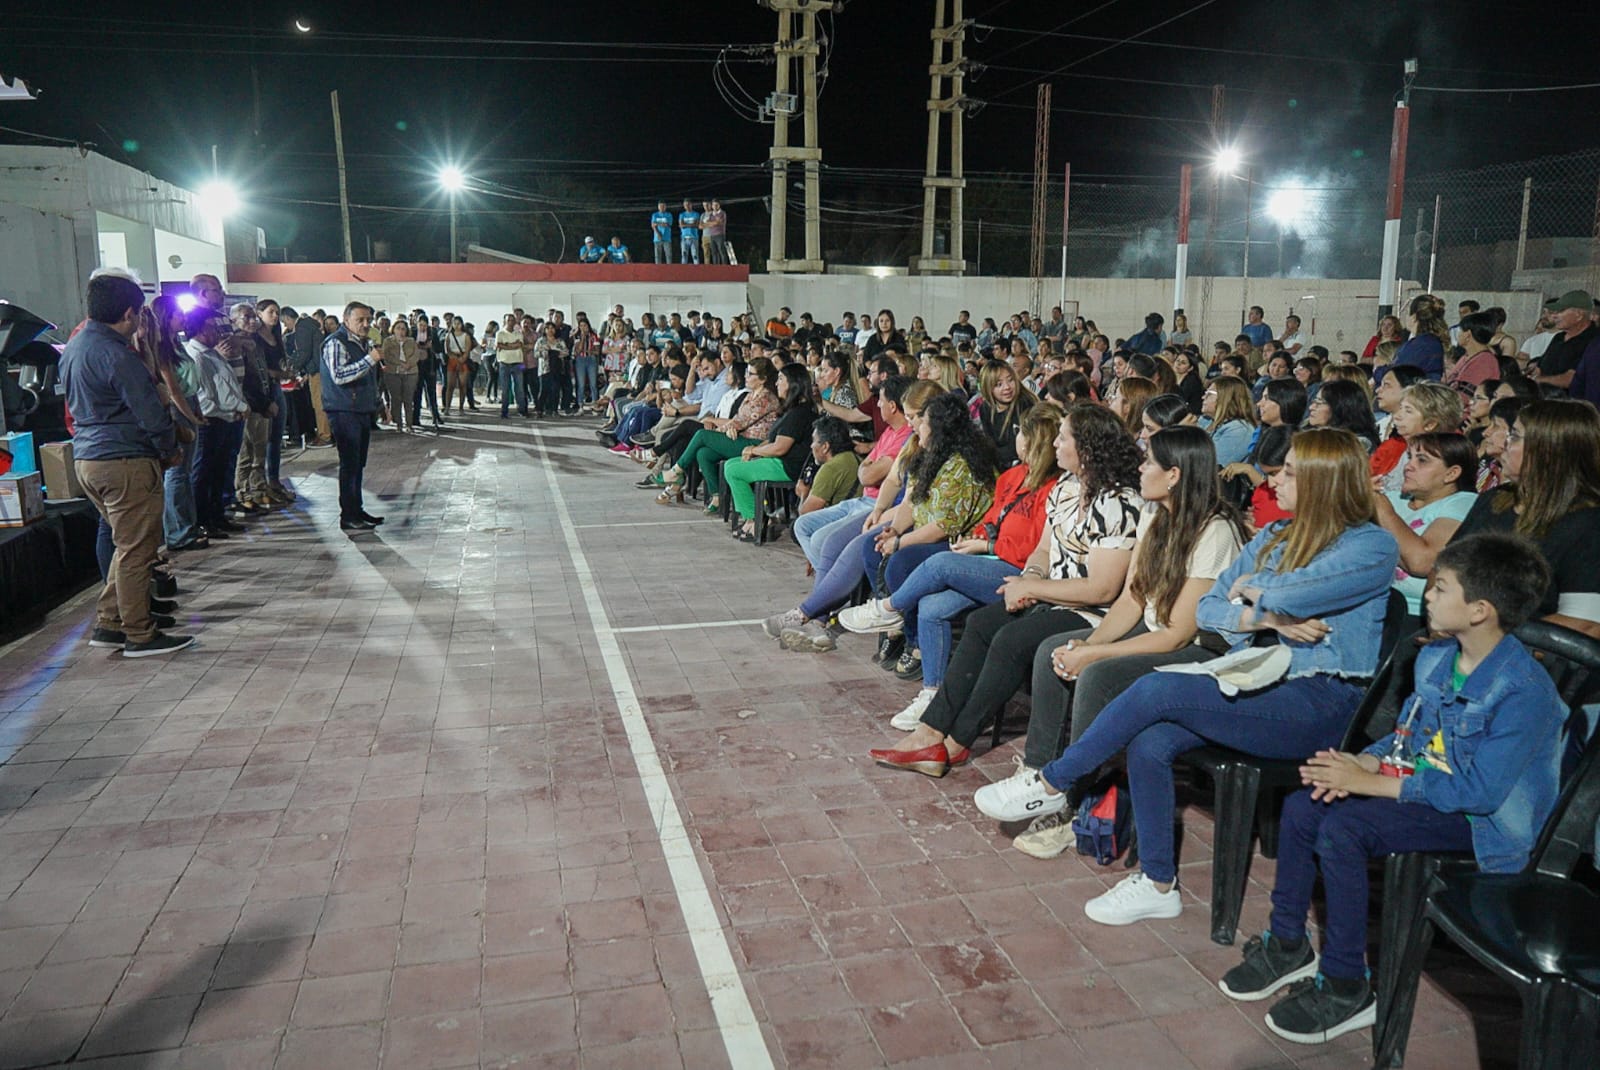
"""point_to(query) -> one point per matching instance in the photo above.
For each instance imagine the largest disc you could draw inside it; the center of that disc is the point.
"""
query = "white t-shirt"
(1290, 341)
(1536, 345)
(1454, 507)
(1219, 544)
(508, 346)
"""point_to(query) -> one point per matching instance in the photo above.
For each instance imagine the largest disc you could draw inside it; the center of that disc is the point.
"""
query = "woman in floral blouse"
(750, 426)
(1075, 572)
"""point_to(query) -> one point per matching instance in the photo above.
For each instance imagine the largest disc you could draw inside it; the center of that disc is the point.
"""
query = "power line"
(1054, 29)
(1508, 89)
(1115, 44)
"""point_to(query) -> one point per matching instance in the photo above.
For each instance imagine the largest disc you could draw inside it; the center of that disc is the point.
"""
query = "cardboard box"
(21, 500)
(60, 478)
(20, 445)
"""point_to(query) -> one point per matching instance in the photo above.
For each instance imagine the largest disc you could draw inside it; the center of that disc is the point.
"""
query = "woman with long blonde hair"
(1320, 581)
(1232, 414)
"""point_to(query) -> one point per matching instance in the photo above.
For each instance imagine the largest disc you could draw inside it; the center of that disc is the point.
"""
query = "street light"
(453, 181)
(218, 198)
(1228, 160)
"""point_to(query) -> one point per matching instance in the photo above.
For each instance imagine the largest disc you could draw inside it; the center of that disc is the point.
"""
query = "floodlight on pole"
(1228, 160)
(219, 199)
(1287, 206)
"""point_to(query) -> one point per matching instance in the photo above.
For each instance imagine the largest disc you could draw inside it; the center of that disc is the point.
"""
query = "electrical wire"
(1115, 44)
(1052, 30)
(1506, 89)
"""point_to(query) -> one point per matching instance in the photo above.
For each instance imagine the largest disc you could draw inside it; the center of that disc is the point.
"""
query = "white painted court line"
(684, 627)
(639, 524)
(741, 1034)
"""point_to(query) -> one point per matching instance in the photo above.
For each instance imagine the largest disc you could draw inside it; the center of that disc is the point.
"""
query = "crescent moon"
(302, 27)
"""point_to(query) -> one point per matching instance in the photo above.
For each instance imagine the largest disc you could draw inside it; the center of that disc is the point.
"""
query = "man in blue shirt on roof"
(618, 253)
(661, 233)
(591, 251)
(689, 234)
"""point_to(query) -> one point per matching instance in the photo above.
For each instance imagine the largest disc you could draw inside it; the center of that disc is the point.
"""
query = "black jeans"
(993, 660)
(427, 387)
(352, 434)
(674, 442)
(1060, 705)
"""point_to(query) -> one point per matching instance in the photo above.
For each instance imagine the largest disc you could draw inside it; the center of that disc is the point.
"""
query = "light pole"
(453, 182)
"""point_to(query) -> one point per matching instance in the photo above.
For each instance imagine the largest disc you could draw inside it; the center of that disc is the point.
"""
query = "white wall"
(40, 264)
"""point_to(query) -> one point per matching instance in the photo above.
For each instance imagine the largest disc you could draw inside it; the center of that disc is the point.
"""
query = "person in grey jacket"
(123, 437)
(350, 395)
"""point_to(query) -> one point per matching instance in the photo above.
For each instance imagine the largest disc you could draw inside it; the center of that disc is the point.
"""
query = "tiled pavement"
(387, 814)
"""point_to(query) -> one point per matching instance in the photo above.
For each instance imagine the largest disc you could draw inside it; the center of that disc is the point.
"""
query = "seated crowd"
(1083, 513)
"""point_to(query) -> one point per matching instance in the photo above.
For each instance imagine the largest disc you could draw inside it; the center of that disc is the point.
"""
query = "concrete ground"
(516, 782)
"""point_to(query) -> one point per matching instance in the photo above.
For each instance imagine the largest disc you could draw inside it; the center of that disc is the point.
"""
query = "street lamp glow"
(1228, 160)
(452, 179)
(218, 198)
(1287, 206)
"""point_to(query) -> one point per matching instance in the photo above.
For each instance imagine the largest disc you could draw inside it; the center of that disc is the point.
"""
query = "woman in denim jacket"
(1321, 582)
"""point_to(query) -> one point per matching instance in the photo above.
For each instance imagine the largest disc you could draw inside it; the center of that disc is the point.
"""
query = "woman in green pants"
(782, 455)
(748, 427)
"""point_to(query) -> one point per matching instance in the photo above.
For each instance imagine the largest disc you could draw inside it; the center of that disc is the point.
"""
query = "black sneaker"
(890, 646)
(909, 666)
(163, 620)
(1268, 965)
(159, 606)
(160, 643)
(163, 586)
(108, 639)
(1321, 1009)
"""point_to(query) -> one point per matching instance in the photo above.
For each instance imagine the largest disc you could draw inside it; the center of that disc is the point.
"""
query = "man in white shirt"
(1291, 342)
(1537, 342)
(508, 355)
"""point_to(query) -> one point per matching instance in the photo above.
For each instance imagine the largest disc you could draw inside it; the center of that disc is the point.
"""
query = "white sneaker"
(870, 618)
(908, 719)
(1134, 898)
(812, 636)
(1048, 836)
(774, 626)
(1021, 795)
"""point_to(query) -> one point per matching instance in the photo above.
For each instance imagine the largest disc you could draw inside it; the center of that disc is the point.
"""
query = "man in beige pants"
(123, 437)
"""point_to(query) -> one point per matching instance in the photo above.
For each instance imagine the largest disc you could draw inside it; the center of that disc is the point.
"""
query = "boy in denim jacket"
(1474, 764)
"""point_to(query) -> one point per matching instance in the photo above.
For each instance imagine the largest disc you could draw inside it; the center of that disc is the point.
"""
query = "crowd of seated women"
(1085, 517)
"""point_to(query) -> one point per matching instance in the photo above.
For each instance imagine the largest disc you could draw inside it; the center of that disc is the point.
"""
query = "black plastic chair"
(772, 496)
(1249, 789)
(1405, 933)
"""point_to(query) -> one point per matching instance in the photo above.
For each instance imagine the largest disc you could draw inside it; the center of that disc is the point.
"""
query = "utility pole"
(953, 34)
(782, 104)
(1041, 182)
(344, 196)
(1207, 255)
(1388, 283)
(1180, 276)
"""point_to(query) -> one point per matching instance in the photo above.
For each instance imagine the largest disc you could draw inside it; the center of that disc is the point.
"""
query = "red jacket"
(1023, 522)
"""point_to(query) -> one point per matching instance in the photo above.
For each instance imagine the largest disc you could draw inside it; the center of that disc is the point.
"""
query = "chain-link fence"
(1516, 226)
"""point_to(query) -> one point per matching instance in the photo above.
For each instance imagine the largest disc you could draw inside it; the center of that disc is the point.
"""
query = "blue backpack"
(1103, 825)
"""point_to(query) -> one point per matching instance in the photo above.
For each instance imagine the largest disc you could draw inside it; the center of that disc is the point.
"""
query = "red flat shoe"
(959, 756)
(931, 761)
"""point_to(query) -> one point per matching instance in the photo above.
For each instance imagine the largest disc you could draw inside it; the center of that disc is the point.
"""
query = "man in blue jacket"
(123, 437)
(1473, 765)
(350, 396)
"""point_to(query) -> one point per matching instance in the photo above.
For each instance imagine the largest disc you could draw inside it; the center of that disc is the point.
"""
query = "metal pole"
(344, 195)
(1066, 213)
(978, 268)
(1433, 252)
(1181, 275)
(453, 246)
(1416, 247)
(1388, 284)
(1522, 231)
(1244, 289)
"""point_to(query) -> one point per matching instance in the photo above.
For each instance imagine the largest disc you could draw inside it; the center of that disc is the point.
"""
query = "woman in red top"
(970, 573)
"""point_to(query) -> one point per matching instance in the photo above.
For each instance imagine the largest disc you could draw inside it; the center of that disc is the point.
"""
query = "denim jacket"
(1502, 740)
(1346, 586)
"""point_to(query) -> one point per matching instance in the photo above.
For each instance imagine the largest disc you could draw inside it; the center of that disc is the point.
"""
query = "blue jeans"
(640, 419)
(275, 435)
(894, 569)
(588, 370)
(839, 569)
(179, 522)
(813, 529)
(1162, 716)
(938, 591)
(352, 434)
(689, 249)
(234, 442)
(1339, 839)
(511, 385)
(663, 252)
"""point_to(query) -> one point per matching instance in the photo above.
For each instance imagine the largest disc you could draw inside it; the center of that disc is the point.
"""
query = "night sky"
(580, 130)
